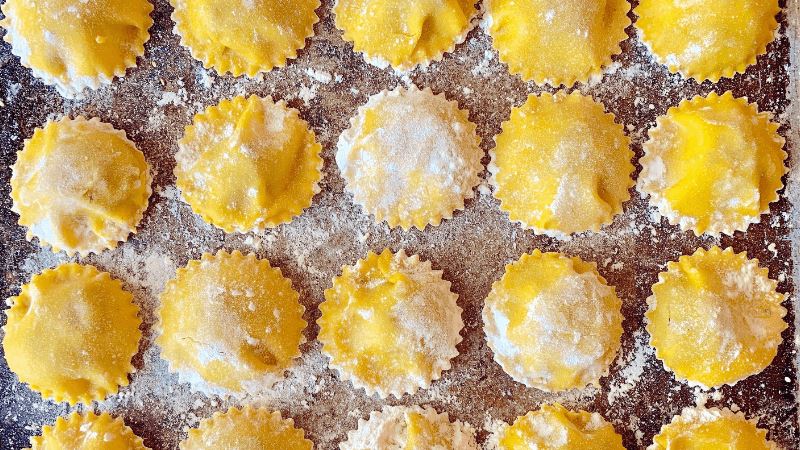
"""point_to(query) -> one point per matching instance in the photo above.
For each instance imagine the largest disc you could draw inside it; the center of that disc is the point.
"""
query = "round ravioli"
(548, 301)
(244, 36)
(404, 33)
(390, 324)
(77, 44)
(707, 40)
(248, 164)
(557, 42)
(713, 164)
(701, 429)
(246, 429)
(411, 158)
(553, 427)
(561, 165)
(715, 317)
(80, 186)
(71, 333)
(410, 427)
(230, 324)
(87, 432)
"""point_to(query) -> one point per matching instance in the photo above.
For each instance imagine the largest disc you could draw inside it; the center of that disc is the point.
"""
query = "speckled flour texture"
(327, 83)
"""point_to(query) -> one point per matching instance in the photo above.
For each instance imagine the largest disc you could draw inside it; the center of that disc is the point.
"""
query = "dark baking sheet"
(471, 249)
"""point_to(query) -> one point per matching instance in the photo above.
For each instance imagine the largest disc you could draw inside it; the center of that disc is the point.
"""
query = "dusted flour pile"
(327, 83)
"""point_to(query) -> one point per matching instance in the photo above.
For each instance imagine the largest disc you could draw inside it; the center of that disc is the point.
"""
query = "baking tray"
(327, 83)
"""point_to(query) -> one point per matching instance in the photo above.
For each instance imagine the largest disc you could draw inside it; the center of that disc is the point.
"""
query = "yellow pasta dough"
(390, 324)
(702, 429)
(244, 36)
(71, 334)
(713, 164)
(80, 186)
(246, 428)
(562, 165)
(553, 427)
(412, 428)
(77, 44)
(404, 33)
(715, 318)
(87, 431)
(707, 40)
(557, 42)
(548, 301)
(411, 158)
(248, 164)
(230, 324)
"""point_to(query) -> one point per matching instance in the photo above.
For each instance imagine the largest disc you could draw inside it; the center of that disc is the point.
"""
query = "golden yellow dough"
(404, 33)
(553, 427)
(75, 44)
(706, 429)
(71, 334)
(707, 40)
(410, 157)
(230, 323)
(80, 186)
(410, 428)
(87, 432)
(557, 42)
(244, 36)
(562, 165)
(713, 164)
(548, 301)
(390, 324)
(248, 164)
(246, 428)
(715, 318)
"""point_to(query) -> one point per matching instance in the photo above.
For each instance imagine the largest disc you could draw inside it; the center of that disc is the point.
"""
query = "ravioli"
(80, 186)
(404, 34)
(77, 44)
(702, 428)
(244, 36)
(390, 324)
(248, 164)
(71, 334)
(715, 317)
(561, 165)
(247, 428)
(412, 428)
(557, 42)
(410, 157)
(554, 427)
(713, 164)
(230, 324)
(548, 301)
(707, 40)
(87, 431)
